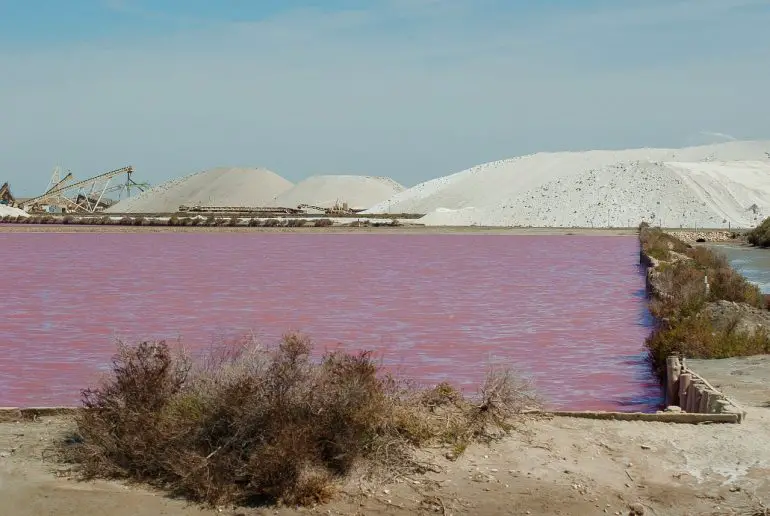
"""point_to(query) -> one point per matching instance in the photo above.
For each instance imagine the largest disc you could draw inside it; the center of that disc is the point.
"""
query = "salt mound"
(359, 192)
(9, 211)
(242, 187)
(672, 194)
(500, 181)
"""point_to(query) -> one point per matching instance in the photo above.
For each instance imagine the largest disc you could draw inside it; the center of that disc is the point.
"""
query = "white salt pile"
(359, 192)
(9, 211)
(216, 187)
(713, 185)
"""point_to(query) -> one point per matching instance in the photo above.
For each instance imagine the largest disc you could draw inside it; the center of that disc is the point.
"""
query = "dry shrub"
(707, 258)
(233, 221)
(680, 294)
(727, 284)
(696, 337)
(658, 243)
(173, 221)
(271, 223)
(253, 223)
(323, 223)
(682, 290)
(270, 424)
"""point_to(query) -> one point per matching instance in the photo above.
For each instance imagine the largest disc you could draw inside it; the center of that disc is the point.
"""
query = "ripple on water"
(568, 311)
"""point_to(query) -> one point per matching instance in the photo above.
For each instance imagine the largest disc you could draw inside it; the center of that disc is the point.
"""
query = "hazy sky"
(412, 89)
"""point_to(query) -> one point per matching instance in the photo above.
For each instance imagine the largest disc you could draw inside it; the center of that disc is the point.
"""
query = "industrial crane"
(6, 197)
(88, 194)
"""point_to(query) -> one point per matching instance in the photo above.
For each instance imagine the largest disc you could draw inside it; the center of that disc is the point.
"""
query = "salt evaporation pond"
(569, 311)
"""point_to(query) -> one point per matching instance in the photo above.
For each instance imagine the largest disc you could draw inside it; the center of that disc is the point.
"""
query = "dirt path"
(549, 467)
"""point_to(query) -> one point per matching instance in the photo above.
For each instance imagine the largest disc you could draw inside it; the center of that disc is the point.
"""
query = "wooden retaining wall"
(693, 394)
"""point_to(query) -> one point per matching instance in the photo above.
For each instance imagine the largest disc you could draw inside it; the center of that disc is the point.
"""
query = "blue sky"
(412, 89)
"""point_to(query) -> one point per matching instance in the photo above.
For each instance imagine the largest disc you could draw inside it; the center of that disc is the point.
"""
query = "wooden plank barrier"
(693, 394)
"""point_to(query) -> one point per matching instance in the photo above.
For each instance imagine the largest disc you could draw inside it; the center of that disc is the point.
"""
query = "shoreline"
(385, 229)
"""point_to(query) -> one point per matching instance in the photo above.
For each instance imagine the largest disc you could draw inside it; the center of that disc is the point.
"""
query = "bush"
(271, 424)
(760, 236)
(680, 294)
(173, 221)
(253, 223)
(323, 223)
(271, 223)
(67, 219)
(658, 244)
(696, 337)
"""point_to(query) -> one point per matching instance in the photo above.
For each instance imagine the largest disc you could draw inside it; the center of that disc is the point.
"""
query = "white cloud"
(364, 92)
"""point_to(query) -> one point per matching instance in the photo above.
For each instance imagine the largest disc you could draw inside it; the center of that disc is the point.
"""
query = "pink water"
(567, 311)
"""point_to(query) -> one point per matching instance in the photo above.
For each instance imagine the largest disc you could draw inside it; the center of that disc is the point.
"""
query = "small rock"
(636, 509)
(735, 489)
(646, 447)
(386, 491)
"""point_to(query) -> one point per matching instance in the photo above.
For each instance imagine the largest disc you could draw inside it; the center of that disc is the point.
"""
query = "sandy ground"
(549, 467)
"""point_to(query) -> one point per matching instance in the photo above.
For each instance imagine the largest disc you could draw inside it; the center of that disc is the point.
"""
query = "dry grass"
(680, 295)
(255, 424)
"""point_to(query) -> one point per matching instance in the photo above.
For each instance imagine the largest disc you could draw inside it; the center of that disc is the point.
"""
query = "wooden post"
(722, 406)
(697, 395)
(713, 403)
(673, 368)
(703, 407)
(691, 404)
(684, 385)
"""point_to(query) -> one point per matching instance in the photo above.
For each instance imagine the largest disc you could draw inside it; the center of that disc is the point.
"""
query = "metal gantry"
(82, 196)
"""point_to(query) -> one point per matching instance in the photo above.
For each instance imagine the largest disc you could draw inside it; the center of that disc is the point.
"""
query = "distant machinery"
(86, 196)
(6, 197)
(337, 209)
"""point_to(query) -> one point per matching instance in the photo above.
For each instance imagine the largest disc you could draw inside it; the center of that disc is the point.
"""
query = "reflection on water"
(569, 311)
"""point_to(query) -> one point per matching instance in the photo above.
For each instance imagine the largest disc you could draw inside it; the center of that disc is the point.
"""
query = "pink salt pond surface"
(567, 311)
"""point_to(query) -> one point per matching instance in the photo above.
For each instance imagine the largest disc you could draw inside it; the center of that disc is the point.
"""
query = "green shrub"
(696, 337)
(760, 236)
